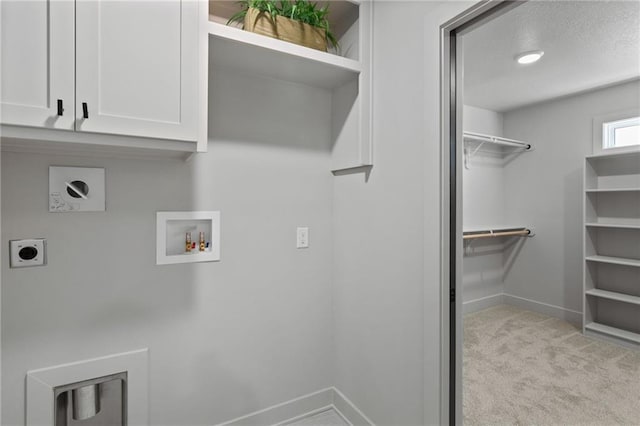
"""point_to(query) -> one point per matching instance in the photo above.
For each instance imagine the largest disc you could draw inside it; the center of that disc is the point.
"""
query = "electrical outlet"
(302, 238)
(27, 252)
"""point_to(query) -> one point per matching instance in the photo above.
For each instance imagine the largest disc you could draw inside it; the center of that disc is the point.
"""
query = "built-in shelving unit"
(345, 71)
(612, 247)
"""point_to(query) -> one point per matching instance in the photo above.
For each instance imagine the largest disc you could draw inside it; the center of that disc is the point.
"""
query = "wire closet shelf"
(483, 139)
(498, 140)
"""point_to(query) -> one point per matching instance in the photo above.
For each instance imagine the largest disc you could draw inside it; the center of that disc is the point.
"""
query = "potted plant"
(296, 21)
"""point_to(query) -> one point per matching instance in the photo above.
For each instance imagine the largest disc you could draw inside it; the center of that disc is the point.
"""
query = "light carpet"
(525, 368)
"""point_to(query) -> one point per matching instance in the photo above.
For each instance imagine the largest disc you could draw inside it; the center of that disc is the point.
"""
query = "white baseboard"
(302, 407)
(573, 317)
(482, 303)
(349, 411)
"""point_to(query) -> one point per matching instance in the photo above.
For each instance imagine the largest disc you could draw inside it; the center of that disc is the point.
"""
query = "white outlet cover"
(302, 237)
(38, 244)
(76, 189)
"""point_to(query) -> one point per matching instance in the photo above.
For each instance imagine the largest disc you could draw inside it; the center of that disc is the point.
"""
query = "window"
(621, 133)
(616, 132)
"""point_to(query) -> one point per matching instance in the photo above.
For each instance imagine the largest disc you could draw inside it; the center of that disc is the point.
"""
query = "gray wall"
(483, 208)
(544, 189)
(483, 178)
(387, 230)
(225, 338)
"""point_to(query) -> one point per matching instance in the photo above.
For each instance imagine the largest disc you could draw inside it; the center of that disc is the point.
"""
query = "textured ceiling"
(587, 44)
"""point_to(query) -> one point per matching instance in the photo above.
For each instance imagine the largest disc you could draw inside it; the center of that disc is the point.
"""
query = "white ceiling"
(586, 44)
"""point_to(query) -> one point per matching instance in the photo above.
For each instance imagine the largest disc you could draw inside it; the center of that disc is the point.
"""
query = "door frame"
(451, 233)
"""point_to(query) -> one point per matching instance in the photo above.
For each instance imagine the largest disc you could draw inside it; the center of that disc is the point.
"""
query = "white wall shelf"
(611, 301)
(171, 230)
(345, 72)
(238, 49)
(612, 295)
(637, 189)
(633, 155)
(614, 260)
(612, 225)
(613, 332)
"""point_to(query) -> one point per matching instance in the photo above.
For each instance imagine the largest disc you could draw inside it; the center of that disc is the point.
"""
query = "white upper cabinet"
(84, 74)
(137, 68)
(37, 53)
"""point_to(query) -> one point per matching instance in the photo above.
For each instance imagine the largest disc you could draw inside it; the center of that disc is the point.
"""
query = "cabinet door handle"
(60, 107)
(85, 110)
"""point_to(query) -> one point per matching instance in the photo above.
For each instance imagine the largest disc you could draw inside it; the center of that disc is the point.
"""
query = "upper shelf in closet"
(238, 49)
(613, 172)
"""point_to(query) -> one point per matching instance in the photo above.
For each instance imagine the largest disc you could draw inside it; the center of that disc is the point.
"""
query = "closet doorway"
(544, 212)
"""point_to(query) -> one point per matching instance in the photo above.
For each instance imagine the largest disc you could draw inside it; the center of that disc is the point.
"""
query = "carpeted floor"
(524, 368)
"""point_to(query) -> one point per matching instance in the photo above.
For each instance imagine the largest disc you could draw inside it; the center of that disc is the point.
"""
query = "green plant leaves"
(299, 10)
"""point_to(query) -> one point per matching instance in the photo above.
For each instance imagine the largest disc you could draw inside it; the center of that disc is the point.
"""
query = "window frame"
(609, 131)
(601, 132)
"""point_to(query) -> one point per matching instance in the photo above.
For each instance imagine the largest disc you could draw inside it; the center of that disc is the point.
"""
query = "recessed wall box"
(179, 236)
(76, 189)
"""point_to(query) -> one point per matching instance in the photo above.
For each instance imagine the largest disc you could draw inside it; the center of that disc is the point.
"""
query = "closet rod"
(496, 139)
(492, 234)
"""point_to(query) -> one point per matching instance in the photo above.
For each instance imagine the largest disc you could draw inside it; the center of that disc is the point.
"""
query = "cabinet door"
(36, 46)
(137, 68)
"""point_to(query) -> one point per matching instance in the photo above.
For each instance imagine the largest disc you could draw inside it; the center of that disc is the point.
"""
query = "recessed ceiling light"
(529, 57)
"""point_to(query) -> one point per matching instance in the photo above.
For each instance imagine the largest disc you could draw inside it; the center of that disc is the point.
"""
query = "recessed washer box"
(76, 189)
(172, 229)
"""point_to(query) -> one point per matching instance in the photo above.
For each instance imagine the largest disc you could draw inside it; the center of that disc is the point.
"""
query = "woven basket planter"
(285, 29)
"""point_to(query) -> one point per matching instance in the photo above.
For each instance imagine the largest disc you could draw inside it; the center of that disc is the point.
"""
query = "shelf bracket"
(469, 155)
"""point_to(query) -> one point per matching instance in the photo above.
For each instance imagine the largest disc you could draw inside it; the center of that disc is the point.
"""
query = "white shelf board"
(612, 190)
(618, 154)
(243, 50)
(614, 260)
(611, 225)
(613, 332)
(612, 295)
